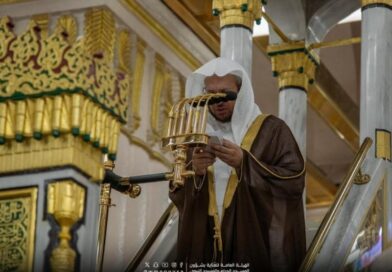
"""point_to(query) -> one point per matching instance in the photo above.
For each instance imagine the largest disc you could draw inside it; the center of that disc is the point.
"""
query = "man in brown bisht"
(244, 206)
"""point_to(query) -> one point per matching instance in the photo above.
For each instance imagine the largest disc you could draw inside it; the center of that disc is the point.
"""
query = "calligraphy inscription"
(17, 216)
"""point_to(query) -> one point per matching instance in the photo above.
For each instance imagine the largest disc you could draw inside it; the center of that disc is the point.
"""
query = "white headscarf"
(245, 109)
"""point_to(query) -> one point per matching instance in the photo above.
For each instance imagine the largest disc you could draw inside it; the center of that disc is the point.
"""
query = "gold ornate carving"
(237, 12)
(169, 100)
(137, 80)
(370, 2)
(124, 50)
(53, 87)
(361, 178)
(35, 67)
(100, 33)
(162, 33)
(134, 190)
(17, 229)
(6, 36)
(66, 203)
(42, 21)
(292, 65)
(68, 25)
(383, 144)
(157, 101)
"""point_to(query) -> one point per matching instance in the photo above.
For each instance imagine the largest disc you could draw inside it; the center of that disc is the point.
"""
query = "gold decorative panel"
(124, 48)
(17, 229)
(383, 144)
(157, 101)
(137, 80)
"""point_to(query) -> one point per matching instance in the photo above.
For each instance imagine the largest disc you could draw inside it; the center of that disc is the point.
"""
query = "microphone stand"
(104, 205)
(126, 185)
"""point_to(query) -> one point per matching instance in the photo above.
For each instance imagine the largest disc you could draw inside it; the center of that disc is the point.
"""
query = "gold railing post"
(104, 205)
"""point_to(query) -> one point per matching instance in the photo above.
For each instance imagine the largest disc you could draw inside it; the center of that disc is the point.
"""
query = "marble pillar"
(236, 22)
(294, 67)
(293, 110)
(236, 44)
(376, 71)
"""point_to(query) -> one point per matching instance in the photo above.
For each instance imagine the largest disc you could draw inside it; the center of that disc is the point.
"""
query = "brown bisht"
(263, 216)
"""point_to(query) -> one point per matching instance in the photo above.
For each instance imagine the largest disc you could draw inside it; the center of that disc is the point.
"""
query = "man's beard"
(224, 120)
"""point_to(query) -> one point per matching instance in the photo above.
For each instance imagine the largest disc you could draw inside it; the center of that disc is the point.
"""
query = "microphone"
(230, 95)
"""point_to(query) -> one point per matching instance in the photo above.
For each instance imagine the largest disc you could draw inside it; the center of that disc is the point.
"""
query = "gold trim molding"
(42, 20)
(124, 47)
(17, 228)
(371, 2)
(293, 66)
(137, 81)
(383, 144)
(237, 12)
(52, 152)
(65, 201)
(157, 101)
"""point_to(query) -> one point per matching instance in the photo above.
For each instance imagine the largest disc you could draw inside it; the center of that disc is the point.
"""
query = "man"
(244, 206)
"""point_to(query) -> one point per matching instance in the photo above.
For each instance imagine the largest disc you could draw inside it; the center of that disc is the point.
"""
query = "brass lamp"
(187, 128)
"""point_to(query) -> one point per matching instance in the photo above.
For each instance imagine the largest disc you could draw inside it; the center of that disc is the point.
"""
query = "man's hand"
(201, 159)
(228, 152)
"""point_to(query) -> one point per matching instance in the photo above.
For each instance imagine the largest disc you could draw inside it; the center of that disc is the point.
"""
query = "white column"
(293, 110)
(295, 69)
(376, 71)
(236, 44)
(376, 87)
